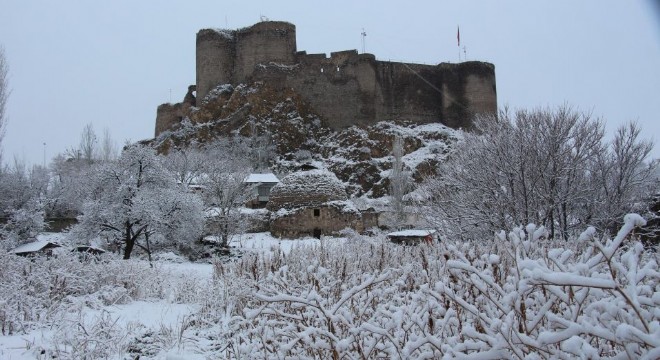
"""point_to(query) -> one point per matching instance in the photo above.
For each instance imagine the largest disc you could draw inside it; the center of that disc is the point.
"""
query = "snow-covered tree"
(623, 177)
(186, 164)
(19, 185)
(70, 183)
(23, 225)
(134, 198)
(225, 191)
(548, 167)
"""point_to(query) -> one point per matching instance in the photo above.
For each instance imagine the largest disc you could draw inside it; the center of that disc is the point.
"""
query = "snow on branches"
(521, 296)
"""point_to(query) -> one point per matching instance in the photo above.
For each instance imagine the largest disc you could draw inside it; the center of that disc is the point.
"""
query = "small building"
(39, 247)
(261, 185)
(412, 237)
(314, 203)
(88, 249)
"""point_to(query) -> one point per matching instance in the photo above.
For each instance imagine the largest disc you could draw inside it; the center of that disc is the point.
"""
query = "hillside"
(301, 139)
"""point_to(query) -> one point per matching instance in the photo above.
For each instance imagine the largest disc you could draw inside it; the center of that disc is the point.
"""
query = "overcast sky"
(112, 63)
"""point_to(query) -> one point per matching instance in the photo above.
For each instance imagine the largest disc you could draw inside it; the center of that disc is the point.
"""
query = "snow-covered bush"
(520, 296)
(82, 337)
(23, 226)
(37, 290)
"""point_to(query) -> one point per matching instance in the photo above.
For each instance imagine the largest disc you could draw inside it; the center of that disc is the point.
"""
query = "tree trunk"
(146, 236)
(129, 240)
(129, 248)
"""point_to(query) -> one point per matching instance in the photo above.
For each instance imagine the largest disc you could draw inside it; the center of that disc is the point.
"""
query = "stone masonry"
(346, 88)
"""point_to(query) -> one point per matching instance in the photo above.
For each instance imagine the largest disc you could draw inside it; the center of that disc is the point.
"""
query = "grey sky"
(112, 63)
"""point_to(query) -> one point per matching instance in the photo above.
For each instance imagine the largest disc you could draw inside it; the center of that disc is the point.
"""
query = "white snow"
(327, 295)
(33, 246)
(412, 232)
(261, 178)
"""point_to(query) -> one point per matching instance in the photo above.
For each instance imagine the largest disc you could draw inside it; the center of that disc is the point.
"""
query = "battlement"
(345, 88)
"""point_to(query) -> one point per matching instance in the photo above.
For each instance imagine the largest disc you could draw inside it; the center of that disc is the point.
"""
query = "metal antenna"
(364, 42)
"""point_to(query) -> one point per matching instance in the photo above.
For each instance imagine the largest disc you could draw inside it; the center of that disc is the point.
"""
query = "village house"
(314, 203)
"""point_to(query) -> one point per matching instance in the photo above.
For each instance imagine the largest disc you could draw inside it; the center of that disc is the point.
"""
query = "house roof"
(261, 178)
(89, 249)
(411, 233)
(305, 189)
(35, 246)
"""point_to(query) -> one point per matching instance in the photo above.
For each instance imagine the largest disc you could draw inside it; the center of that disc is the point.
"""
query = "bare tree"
(548, 167)
(4, 95)
(108, 148)
(187, 164)
(88, 143)
(624, 176)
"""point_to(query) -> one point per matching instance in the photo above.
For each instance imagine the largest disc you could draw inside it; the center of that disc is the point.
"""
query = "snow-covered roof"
(306, 188)
(34, 246)
(412, 233)
(89, 248)
(262, 178)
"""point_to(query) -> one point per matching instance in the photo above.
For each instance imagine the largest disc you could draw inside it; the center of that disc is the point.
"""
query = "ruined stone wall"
(168, 115)
(350, 89)
(346, 88)
(330, 220)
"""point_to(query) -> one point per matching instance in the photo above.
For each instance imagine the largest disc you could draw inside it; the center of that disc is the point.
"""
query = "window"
(317, 212)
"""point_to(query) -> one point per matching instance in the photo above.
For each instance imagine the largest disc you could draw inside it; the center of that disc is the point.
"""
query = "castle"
(345, 89)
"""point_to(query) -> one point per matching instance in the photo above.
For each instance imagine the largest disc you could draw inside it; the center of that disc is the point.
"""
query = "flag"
(458, 36)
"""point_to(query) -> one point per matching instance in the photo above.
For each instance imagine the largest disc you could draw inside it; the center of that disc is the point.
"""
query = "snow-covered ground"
(509, 297)
(141, 315)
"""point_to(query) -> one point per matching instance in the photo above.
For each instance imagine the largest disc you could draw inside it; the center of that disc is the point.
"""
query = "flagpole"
(458, 39)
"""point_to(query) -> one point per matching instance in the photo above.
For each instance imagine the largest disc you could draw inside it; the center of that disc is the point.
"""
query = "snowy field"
(517, 296)
(158, 314)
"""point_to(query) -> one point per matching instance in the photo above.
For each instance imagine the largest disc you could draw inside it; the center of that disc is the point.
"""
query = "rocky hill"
(359, 156)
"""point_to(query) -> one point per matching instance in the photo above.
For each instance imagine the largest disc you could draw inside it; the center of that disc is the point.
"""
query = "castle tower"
(215, 59)
(264, 43)
(231, 56)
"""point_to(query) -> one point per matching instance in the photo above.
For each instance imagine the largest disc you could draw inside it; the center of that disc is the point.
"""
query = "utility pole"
(44, 155)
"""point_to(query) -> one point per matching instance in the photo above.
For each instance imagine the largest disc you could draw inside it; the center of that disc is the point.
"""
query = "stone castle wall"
(230, 56)
(346, 88)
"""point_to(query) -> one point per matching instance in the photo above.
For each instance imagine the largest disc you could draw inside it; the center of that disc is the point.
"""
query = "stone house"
(314, 203)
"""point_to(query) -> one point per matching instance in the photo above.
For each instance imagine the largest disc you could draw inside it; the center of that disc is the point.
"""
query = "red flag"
(458, 35)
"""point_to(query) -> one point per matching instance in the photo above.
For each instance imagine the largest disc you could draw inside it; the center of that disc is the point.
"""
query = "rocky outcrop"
(359, 156)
